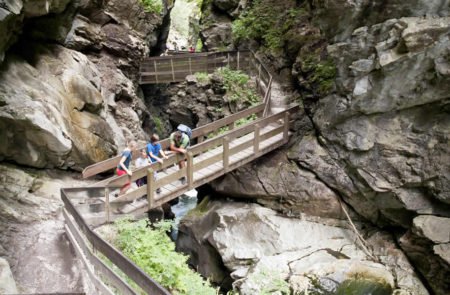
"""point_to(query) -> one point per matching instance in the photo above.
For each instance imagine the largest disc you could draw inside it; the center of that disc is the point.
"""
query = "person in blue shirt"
(154, 151)
(124, 165)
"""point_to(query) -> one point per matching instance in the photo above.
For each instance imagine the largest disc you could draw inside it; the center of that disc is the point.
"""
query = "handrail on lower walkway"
(86, 243)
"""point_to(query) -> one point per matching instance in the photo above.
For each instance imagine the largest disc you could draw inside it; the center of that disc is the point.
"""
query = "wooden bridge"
(210, 156)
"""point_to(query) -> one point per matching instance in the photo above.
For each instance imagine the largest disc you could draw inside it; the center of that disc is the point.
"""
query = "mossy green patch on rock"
(201, 208)
(268, 22)
(363, 287)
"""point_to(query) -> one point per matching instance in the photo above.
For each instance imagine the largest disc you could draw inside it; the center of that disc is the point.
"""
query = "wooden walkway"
(210, 156)
(205, 161)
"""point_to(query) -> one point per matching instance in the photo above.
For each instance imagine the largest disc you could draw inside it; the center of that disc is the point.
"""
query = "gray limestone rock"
(53, 111)
(7, 283)
(263, 250)
(436, 229)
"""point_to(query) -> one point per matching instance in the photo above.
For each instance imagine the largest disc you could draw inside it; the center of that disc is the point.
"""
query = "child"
(124, 164)
(153, 151)
(141, 162)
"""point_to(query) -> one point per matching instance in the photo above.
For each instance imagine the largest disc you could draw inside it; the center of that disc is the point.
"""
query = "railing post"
(107, 204)
(231, 126)
(190, 66)
(150, 187)
(190, 169)
(286, 127)
(200, 139)
(238, 55)
(256, 139)
(156, 71)
(228, 59)
(173, 72)
(258, 86)
(226, 153)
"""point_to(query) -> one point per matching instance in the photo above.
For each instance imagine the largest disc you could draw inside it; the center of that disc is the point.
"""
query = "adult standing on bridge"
(124, 165)
(179, 142)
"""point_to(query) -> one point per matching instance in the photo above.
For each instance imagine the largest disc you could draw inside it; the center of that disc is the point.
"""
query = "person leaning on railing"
(179, 142)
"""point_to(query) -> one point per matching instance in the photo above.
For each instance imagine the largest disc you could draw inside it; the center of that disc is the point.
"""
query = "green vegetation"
(323, 72)
(363, 286)
(200, 209)
(202, 77)
(199, 45)
(152, 250)
(269, 281)
(236, 83)
(267, 22)
(152, 6)
(158, 125)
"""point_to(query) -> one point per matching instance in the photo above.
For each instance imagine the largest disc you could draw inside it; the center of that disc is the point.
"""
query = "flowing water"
(186, 202)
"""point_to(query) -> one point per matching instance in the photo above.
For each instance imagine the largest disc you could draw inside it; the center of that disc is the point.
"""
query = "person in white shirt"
(142, 161)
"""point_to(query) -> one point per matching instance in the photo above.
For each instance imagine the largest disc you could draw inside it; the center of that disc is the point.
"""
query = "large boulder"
(53, 110)
(265, 252)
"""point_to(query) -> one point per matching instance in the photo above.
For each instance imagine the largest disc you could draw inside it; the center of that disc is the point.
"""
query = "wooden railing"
(198, 134)
(175, 68)
(88, 244)
(254, 67)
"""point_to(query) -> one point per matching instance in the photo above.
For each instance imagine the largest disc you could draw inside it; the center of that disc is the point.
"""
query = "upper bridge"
(210, 156)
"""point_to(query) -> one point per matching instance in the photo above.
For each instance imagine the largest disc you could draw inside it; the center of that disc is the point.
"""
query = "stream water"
(186, 202)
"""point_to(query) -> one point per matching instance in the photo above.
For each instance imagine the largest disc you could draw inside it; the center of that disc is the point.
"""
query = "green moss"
(200, 209)
(159, 126)
(362, 287)
(152, 6)
(202, 77)
(267, 22)
(321, 73)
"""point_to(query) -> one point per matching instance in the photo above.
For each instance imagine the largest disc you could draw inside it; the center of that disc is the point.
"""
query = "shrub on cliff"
(153, 251)
(152, 6)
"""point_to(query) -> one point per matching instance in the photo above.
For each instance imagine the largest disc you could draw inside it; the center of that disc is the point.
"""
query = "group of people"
(152, 153)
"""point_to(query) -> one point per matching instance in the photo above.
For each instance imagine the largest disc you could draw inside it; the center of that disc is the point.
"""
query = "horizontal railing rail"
(198, 133)
(116, 257)
(196, 150)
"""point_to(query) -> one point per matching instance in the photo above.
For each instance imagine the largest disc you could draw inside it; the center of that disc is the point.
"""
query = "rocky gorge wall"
(373, 77)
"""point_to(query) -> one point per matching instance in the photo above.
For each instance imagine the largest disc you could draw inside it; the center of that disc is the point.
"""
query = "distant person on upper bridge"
(124, 164)
(179, 142)
(153, 151)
